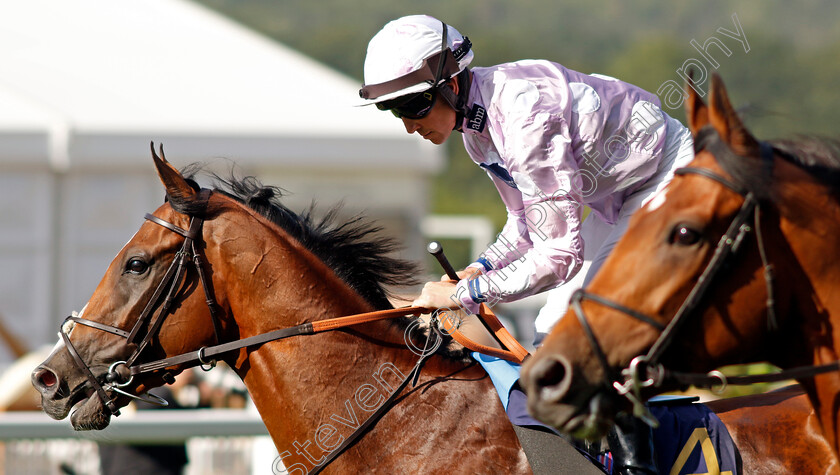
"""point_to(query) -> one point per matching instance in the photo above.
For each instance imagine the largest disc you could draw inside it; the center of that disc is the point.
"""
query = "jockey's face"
(437, 125)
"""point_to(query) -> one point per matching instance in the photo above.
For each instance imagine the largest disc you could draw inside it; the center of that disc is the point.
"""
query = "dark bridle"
(121, 373)
(646, 370)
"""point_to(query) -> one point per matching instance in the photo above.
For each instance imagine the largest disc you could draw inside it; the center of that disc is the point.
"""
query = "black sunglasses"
(411, 107)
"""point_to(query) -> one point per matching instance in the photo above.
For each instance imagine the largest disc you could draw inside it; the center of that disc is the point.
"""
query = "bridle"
(121, 373)
(646, 370)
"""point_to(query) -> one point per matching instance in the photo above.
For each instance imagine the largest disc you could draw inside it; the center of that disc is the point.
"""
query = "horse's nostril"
(550, 378)
(44, 380)
(550, 373)
(48, 379)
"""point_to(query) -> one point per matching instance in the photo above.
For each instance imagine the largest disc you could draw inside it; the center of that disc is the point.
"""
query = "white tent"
(86, 85)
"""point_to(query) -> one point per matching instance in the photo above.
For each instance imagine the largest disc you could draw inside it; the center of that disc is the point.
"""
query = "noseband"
(646, 371)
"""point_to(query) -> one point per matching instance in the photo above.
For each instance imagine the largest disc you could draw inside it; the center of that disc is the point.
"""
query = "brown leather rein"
(121, 373)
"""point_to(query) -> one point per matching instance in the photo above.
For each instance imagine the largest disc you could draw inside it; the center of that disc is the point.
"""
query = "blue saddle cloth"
(690, 439)
(505, 376)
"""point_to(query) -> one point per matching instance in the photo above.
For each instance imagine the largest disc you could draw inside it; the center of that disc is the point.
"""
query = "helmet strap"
(443, 46)
(458, 102)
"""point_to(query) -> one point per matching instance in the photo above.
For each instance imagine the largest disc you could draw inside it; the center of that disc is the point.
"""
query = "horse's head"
(87, 374)
(650, 283)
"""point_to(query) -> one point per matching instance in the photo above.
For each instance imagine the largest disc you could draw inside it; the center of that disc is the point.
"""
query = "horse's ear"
(695, 109)
(176, 185)
(726, 121)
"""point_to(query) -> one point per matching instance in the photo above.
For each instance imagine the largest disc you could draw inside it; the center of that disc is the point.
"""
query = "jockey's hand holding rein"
(441, 294)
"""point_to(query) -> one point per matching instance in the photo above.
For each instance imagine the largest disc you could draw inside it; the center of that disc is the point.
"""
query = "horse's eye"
(685, 236)
(136, 266)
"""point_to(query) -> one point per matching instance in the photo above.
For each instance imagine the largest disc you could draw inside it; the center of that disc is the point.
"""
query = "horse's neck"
(312, 391)
(314, 396)
(810, 224)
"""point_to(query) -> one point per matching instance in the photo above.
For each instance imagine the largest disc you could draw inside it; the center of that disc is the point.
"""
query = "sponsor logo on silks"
(477, 118)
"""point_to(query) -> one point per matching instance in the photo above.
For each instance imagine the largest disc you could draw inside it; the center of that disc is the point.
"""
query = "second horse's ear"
(176, 185)
(696, 111)
(725, 120)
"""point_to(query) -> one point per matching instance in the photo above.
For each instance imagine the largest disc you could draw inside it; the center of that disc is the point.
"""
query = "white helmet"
(405, 58)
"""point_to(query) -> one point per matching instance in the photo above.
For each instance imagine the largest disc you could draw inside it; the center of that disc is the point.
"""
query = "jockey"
(552, 140)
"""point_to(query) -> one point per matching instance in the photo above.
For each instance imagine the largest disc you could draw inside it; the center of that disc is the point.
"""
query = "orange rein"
(514, 351)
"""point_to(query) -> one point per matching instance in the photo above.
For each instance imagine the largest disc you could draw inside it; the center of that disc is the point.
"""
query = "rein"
(121, 373)
(646, 371)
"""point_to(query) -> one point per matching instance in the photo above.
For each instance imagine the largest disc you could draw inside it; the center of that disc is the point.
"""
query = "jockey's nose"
(411, 126)
(548, 379)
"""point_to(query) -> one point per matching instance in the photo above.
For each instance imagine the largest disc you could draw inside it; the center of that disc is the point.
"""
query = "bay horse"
(264, 268)
(735, 261)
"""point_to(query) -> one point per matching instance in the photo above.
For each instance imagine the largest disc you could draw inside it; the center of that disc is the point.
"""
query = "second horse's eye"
(136, 266)
(685, 236)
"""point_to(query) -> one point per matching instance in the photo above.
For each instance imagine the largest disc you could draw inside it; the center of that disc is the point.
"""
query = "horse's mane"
(354, 249)
(819, 156)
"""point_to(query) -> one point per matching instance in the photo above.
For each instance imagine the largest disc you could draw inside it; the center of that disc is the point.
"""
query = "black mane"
(819, 156)
(352, 248)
